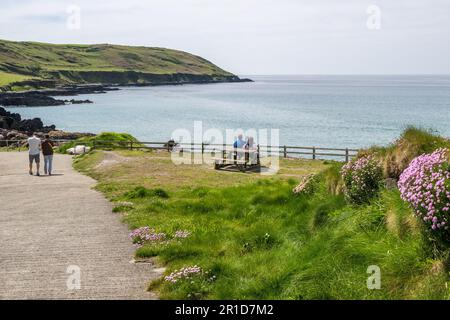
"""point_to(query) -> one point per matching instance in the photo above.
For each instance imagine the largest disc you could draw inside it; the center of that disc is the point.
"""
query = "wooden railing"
(21, 144)
(284, 151)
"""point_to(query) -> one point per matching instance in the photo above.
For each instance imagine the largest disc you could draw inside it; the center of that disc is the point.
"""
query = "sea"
(336, 111)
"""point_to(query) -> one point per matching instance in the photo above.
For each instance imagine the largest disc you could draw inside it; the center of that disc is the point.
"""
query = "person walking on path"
(47, 151)
(34, 148)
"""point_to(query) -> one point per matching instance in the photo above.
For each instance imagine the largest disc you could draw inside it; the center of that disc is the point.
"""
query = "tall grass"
(263, 242)
(413, 142)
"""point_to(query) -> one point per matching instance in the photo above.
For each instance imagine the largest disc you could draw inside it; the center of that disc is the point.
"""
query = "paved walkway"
(48, 224)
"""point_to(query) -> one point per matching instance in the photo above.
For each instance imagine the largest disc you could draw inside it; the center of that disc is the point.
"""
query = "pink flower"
(424, 184)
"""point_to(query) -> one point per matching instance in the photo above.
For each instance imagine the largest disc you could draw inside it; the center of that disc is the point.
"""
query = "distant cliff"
(32, 65)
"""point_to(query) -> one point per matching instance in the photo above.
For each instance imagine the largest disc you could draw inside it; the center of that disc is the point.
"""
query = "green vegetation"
(7, 78)
(109, 140)
(258, 240)
(102, 63)
(412, 143)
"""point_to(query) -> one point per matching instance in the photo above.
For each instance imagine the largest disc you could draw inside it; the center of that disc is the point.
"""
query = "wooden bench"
(238, 157)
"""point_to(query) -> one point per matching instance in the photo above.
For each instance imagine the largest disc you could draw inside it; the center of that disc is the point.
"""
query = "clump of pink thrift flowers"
(146, 235)
(425, 185)
(362, 179)
(183, 273)
(182, 234)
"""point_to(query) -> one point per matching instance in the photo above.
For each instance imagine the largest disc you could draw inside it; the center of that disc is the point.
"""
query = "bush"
(425, 185)
(362, 179)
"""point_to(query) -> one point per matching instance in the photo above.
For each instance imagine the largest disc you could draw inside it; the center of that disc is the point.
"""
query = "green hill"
(35, 64)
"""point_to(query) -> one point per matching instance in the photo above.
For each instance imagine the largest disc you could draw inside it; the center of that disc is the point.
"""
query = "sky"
(251, 37)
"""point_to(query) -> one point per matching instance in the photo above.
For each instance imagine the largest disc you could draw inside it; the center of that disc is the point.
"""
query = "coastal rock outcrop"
(45, 98)
(29, 99)
(14, 129)
(13, 121)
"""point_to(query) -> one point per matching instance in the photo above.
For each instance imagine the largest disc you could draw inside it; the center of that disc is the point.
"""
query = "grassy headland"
(258, 240)
(25, 65)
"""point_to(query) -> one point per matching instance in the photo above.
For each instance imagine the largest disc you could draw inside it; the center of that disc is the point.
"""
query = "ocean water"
(323, 111)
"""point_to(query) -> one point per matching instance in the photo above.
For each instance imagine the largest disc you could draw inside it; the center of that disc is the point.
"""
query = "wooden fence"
(284, 151)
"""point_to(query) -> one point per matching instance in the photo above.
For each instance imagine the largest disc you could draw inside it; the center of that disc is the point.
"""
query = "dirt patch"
(110, 158)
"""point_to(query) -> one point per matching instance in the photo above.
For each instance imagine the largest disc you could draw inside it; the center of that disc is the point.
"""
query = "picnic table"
(242, 158)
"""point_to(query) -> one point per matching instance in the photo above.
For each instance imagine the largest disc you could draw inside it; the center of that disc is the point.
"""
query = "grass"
(413, 142)
(263, 242)
(109, 140)
(102, 63)
(8, 78)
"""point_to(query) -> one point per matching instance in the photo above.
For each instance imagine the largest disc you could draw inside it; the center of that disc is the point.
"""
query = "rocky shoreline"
(46, 97)
(14, 130)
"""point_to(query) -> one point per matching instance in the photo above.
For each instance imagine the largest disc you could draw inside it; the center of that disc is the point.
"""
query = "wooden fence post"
(131, 145)
(314, 153)
(285, 151)
(346, 155)
(257, 155)
(203, 147)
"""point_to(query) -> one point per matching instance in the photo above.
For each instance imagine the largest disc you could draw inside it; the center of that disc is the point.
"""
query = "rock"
(62, 135)
(42, 98)
(306, 185)
(81, 149)
(73, 101)
(13, 121)
(11, 135)
(6, 122)
(13, 127)
(29, 100)
(7, 119)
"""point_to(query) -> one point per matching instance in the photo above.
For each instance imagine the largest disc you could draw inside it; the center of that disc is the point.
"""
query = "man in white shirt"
(34, 149)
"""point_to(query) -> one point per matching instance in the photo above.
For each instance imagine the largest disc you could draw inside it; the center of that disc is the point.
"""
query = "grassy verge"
(257, 240)
(8, 78)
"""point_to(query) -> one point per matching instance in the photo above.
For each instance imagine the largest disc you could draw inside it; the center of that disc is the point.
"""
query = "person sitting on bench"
(239, 143)
(250, 146)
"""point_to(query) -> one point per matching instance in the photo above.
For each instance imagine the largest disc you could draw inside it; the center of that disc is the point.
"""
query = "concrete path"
(53, 227)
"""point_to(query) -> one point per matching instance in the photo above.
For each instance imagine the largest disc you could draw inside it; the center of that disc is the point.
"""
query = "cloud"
(254, 36)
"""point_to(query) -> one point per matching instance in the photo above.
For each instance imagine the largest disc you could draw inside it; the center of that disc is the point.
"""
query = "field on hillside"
(62, 62)
(245, 236)
(7, 78)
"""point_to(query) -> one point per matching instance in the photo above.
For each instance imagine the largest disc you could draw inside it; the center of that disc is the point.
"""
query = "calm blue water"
(328, 111)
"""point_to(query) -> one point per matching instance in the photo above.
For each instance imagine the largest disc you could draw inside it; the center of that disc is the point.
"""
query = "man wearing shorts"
(34, 148)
